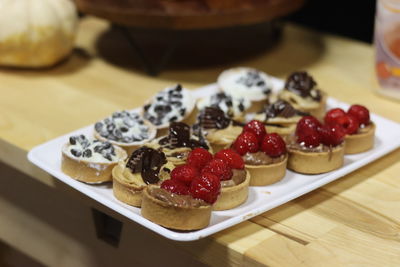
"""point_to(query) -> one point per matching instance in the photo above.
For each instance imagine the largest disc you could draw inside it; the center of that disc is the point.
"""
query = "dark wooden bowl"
(188, 14)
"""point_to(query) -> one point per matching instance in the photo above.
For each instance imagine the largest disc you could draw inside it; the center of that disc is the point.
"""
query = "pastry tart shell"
(128, 193)
(174, 217)
(89, 172)
(357, 143)
(316, 162)
(261, 175)
(232, 196)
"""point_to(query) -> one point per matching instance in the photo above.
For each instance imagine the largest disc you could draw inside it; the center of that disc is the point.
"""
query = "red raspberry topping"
(349, 123)
(233, 159)
(273, 145)
(307, 123)
(359, 112)
(309, 138)
(199, 157)
(331, 135)
(246, 142)
(218, 167)
(332, 115)
(257, 128)
(206, 187)
(184, 174)
(175, 187)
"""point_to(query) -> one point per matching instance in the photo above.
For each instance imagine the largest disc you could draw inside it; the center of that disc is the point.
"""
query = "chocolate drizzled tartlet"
(302, 92)
(145, 166)
(218, 129)
(179, 142)
(280, 117)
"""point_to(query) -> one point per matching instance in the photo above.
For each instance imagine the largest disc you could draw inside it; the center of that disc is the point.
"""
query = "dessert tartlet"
(178, 143)
(247, 83)
(316, 148)
(173, 104)
(359, 129)
(234, 178)
(264, 154)
(90, 160)
(145, 166)
(219, 130)
(302, 92)
(184, 202)
(280, 117)
(233, 107)
(125, 129)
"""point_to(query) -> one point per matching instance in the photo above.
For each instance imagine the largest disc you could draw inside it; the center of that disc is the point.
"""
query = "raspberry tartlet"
(183, 202)
(359, 129)
(302, 92)
(173, 104)
(218, 129)
(280, 117)
(233, 107)
(178, 143)
(316, 148)
(144, 167)
(90, 160)
(247, 83)
(125, 129)
(264, 154)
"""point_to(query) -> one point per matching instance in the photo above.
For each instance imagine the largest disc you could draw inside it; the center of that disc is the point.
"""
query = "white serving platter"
(47, 156)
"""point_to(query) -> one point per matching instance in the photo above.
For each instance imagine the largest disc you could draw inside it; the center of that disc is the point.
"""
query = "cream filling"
(94, 158)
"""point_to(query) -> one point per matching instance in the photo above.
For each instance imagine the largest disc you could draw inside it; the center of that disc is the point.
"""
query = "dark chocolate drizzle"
(147, 162)
(302, 84)
(213, 118)
(180, 136)
(281, 108)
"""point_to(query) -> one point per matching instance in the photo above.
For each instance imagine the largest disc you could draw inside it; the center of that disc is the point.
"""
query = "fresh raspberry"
(273, 145)
(331, 135)
(233, 159)
(218, 167)
(199, 157)
(307, 123)
(175, 187)
(206, 187)
(184, 174)
(332, 115)
(349, 123)
(246, 142)
(310, 138)
(257, 128)
(360, 112)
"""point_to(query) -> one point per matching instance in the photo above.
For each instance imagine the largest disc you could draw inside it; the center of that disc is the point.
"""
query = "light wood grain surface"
(354, 221)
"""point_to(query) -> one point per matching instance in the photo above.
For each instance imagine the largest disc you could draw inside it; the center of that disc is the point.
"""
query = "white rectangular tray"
(47, 156)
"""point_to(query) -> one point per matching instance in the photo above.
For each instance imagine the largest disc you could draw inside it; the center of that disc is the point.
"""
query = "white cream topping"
(124, 127)
(171, 104)
(247, 83)
(91, 150)
(231, 106)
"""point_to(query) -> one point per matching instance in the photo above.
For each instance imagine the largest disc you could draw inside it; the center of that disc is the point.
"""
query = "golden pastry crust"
(130, 147)
(233, 196)
(221, 139)
(173, 217)
(315, 108)
(89, 172)
(360, 142)
(262, 175)
(307, 162)
(128, 186)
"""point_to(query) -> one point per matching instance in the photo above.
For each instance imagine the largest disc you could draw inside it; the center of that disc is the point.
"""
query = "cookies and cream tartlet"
(90, 160)
(173, 104)
(126, 129)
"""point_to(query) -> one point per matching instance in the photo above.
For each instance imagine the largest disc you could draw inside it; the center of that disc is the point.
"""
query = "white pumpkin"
(36, 33)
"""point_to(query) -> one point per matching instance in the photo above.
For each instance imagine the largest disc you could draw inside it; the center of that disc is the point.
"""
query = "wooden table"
(354, 221)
